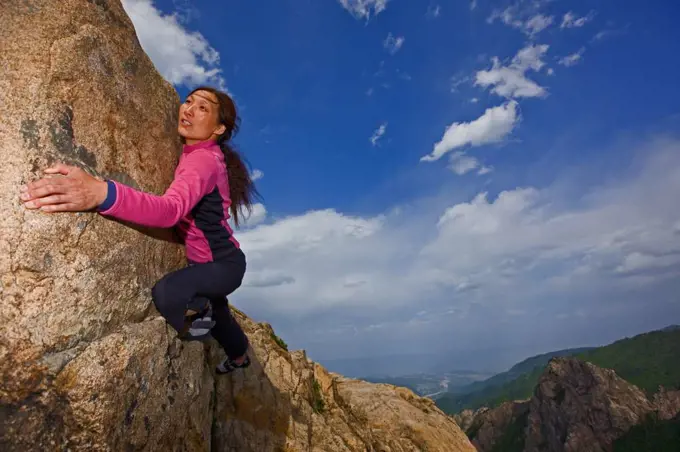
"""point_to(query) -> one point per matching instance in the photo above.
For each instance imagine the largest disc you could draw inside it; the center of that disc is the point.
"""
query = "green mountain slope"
(647, 360)
(654, 435)
(519, 369)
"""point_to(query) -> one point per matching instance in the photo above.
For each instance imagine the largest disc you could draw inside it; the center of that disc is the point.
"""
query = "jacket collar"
(200, 145)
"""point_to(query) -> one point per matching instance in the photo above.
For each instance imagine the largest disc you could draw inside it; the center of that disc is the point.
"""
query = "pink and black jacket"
(196, 204)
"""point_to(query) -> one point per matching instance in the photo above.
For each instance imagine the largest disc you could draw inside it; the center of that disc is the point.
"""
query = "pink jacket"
(196, 204)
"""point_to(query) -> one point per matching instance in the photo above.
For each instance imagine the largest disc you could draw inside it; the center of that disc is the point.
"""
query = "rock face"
(286, 402)
(85, 361)
(490, 428)
(576, 407)
(580, 407)
(465, 418)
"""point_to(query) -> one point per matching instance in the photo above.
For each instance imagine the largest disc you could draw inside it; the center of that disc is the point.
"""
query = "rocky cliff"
(85, 361)
(576, 407)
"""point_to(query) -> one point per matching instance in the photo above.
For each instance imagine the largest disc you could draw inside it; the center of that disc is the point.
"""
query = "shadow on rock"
(250, 412)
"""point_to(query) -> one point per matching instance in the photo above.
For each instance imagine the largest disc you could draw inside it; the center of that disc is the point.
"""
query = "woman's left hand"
(77, 191)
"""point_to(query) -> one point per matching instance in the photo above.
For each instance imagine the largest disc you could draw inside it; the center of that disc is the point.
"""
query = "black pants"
(213, 281)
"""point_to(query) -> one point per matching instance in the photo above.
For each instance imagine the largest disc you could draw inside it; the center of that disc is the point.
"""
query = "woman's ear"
(220, 129)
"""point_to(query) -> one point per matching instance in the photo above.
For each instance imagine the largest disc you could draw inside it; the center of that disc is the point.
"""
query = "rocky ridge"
(576, 406)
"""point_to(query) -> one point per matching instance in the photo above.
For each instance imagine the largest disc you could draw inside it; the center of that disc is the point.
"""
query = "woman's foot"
(229, 365)
(197, 325)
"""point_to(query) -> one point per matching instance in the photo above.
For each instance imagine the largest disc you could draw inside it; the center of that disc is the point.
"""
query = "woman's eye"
(202, 108)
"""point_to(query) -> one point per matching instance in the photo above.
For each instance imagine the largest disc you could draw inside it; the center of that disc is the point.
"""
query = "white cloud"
(461, 163)
(183, 57)
(364, 9)
(605, 34)
(485, 170)
(524, 15)
(257, 174)
(640, 262)
(256, 216)
(603, 250)
(473, 5)
(537, 24)
(574, 58)
(378, 134)
(492, 127)
(262, 279)
(511, 81)
(392, 43)
(570, 20)
(474, 100)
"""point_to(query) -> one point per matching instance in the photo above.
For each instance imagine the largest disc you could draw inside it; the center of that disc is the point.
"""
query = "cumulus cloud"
(570, 20)
(573, 59)
(511, 81)
(515, 262)
(183, 57)
(364, 9)
(250, 219)
(492, 127)
(393, 43)
(378, 134)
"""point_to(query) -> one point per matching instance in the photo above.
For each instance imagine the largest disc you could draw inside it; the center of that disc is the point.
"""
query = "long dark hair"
(242, 190)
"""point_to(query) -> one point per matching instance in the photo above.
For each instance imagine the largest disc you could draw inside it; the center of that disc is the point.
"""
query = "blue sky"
(447, 176)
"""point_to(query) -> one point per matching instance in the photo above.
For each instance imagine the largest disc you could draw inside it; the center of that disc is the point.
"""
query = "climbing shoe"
(197, 324)
(227, 365)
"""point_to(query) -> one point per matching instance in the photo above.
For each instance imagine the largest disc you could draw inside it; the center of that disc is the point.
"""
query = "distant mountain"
(519, 369)
(510, 385)
(647, 360)
(581, 407)
(671, 328)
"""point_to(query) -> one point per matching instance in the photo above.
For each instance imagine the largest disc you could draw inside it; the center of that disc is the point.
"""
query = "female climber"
(210, 179)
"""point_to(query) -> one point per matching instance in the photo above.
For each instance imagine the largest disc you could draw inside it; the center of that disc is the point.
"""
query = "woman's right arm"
(195, 177)
(78, 191)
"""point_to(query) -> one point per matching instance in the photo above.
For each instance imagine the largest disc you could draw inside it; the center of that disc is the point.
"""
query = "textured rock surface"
(465, 418)
(75, 86)
(580, 407)
(489, 426)
(85, 362)
(273, 406)
(576, 407)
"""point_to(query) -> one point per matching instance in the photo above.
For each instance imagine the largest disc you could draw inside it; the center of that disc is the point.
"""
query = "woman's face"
(199, 118)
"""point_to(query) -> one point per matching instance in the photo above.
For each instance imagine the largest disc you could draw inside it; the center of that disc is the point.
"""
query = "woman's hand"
(77, 191)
